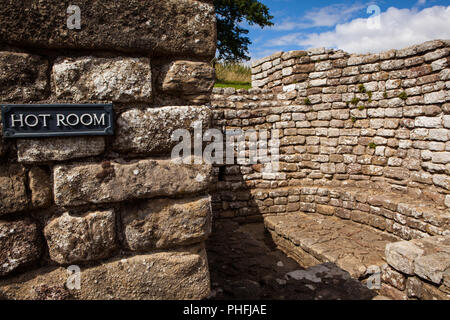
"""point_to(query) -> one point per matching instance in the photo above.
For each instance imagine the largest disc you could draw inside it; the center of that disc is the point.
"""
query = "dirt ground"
(246, 265)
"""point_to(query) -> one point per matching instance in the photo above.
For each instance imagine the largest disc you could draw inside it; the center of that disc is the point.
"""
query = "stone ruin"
(364, 162)
(363, 179)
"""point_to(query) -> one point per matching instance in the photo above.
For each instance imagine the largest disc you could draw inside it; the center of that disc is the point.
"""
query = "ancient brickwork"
(117, 207)
(364, 138)
(418, 269)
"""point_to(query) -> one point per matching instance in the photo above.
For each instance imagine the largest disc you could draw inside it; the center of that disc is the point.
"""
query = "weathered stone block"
(77, 239)
(166, 223)
(140, 131)
(360, 217)
(372, 170)
(441, 157)
(414, 287)
(392, 277)
(20, 245)
(187, 77)
(435, 97)
(430, 292)
(13, 195)
(163, 27)
(430, 56)
(181, 274)
(424, 291)
(391, 292)
(442, 181)
(432, 267)
(41, 187)
(114, 182)
(23, 77)
(401, 256)
(58, 149)
(325, 210)
(103, 79)
(396, 173)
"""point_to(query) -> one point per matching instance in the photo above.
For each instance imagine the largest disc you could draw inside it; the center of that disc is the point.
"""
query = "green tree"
(232, 43)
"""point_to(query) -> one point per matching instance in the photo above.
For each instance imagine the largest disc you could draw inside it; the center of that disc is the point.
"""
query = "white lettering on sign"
(97, 120)
(33, 122)
(45, 118)
(14, 120)
(70, 120)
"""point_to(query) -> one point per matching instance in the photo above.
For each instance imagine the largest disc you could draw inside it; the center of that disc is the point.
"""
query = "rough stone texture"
(187, 77)
(41, 187)
(114, 182)
(20, 245)
(359, 128)
(58, 149)
(13, 195)
(73, 239)
(428, 261)
(4, 145)
(401, 255)
(182, 274)
(416, 288)
(90, 195)
(435, 260)
(166, 223)
(393, 278)
(392, 292)
(103, 79)
(363, 138)
(164, 27)
(432, 267)
(23, 77)
(140, 131)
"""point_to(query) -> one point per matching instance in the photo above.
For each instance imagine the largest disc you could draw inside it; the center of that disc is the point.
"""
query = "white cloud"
(399, 28)
(321, 17)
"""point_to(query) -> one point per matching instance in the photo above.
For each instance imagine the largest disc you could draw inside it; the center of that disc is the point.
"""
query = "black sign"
(45, 120)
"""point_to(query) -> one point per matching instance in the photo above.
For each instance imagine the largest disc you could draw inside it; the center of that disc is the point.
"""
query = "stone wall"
(117, 207)
(378, 121)
(365, 138)
(418, 269)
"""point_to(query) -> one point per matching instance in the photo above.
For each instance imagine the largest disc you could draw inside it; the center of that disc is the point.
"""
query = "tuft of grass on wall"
(403, 95)
(235, 85)
(234, 75)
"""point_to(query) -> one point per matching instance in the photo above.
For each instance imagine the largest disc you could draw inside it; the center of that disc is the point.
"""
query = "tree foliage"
(232, 43)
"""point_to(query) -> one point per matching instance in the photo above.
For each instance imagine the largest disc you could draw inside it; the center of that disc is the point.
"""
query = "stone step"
(312, 239)
(403, 215)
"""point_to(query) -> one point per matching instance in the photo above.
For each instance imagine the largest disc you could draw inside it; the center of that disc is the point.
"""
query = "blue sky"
(347, 25)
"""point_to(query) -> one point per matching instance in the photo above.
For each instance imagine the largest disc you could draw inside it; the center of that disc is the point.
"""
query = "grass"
(233, 75)
(355, 101)
(403, 95)
(362, 89)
